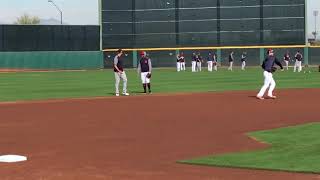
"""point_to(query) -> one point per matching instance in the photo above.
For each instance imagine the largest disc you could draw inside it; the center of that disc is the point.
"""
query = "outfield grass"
(292, 149)
(53, 85)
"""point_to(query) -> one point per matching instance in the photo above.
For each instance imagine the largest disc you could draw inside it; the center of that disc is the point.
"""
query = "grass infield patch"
(79, 84)
(293, 149)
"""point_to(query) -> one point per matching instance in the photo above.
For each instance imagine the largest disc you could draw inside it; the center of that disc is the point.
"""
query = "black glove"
(149, 75)
(273, 69)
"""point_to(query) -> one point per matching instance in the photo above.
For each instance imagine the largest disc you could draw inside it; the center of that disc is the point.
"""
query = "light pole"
(315, 14)
(51, 1)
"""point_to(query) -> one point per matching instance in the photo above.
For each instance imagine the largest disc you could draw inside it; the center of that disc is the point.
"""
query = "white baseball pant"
(144, 78)
(268, 83)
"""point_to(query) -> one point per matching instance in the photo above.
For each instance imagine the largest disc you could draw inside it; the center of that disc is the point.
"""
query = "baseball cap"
(143, 53)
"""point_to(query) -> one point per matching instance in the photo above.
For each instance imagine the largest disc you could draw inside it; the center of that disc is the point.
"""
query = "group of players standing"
(212, 62)
(145, 68)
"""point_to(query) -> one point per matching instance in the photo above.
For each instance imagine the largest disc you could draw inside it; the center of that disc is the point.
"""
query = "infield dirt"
(142, 137)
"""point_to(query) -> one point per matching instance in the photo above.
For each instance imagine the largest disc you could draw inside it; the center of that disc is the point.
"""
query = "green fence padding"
(52, 60)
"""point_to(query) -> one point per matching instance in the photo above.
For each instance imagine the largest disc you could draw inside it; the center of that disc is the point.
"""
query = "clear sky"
(74, 11)
(83, 11)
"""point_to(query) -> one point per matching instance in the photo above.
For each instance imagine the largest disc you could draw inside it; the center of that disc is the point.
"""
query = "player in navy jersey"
(193, 62)
(231, 59)
(298, 63)
(243, 60)
(268, 67)
(145, 68)
(286, 59)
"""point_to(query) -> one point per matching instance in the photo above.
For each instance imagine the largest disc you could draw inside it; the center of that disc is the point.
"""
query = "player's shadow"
(130, 92)
(266, 98)
(252, 96)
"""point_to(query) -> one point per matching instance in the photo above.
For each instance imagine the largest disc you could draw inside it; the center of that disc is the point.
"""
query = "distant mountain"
(50, 21)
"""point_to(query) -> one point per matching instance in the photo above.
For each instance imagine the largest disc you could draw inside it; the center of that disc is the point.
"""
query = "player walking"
(145, 68)
(243, 60)
(298, 63)
(231, 59)
(268, 67)
(286, 59)
(119, 73)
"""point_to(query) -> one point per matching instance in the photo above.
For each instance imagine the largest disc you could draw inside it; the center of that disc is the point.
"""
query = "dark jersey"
(198, 58)
(230, 58)
(211, 58)
(118, 62)
(299, 57)
(180, 58)
(243, 57)
(286, 57)
(194, 58)
(269, 62)
(144, 64)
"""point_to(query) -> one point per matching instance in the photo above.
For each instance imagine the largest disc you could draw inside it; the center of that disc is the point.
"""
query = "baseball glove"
(273, 69)
(149, 75)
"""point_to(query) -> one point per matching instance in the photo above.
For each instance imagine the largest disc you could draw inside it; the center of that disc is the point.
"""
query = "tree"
(27, 19)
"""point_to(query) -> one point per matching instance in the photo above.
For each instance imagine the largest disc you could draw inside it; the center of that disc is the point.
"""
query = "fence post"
(219, 59)
(262, 55)
(306, 55)
(134, 58)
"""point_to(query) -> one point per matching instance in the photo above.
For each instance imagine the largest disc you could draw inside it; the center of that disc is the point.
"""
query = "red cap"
(143, 53)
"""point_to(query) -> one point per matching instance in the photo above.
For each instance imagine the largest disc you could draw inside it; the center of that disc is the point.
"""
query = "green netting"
(49, 38)
(187, 23)
(51, 60)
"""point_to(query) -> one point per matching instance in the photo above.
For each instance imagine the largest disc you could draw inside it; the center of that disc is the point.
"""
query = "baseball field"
(194, 126)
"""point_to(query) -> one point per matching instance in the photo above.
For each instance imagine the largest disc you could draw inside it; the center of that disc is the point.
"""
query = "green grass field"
(292, 149)
(54, 85)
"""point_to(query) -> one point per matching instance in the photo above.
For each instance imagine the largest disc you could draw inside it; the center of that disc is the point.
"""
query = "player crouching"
(145, 68)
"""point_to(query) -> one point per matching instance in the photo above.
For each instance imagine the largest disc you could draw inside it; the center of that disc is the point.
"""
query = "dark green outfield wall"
(52, 60)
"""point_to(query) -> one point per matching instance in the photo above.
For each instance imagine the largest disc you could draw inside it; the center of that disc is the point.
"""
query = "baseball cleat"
(117, 94)
(125, 94)
(261, 98)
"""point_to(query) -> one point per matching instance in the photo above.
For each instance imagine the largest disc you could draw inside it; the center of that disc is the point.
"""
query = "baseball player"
(215, 62)
(180, 58)
(298, 63)
(231, 59)
(178, 63)
(268, 67)
(199, 62)
(212, 61)
(243, 60)
(119, 73)
(145, 68)
(194, 62)
(286, 59)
